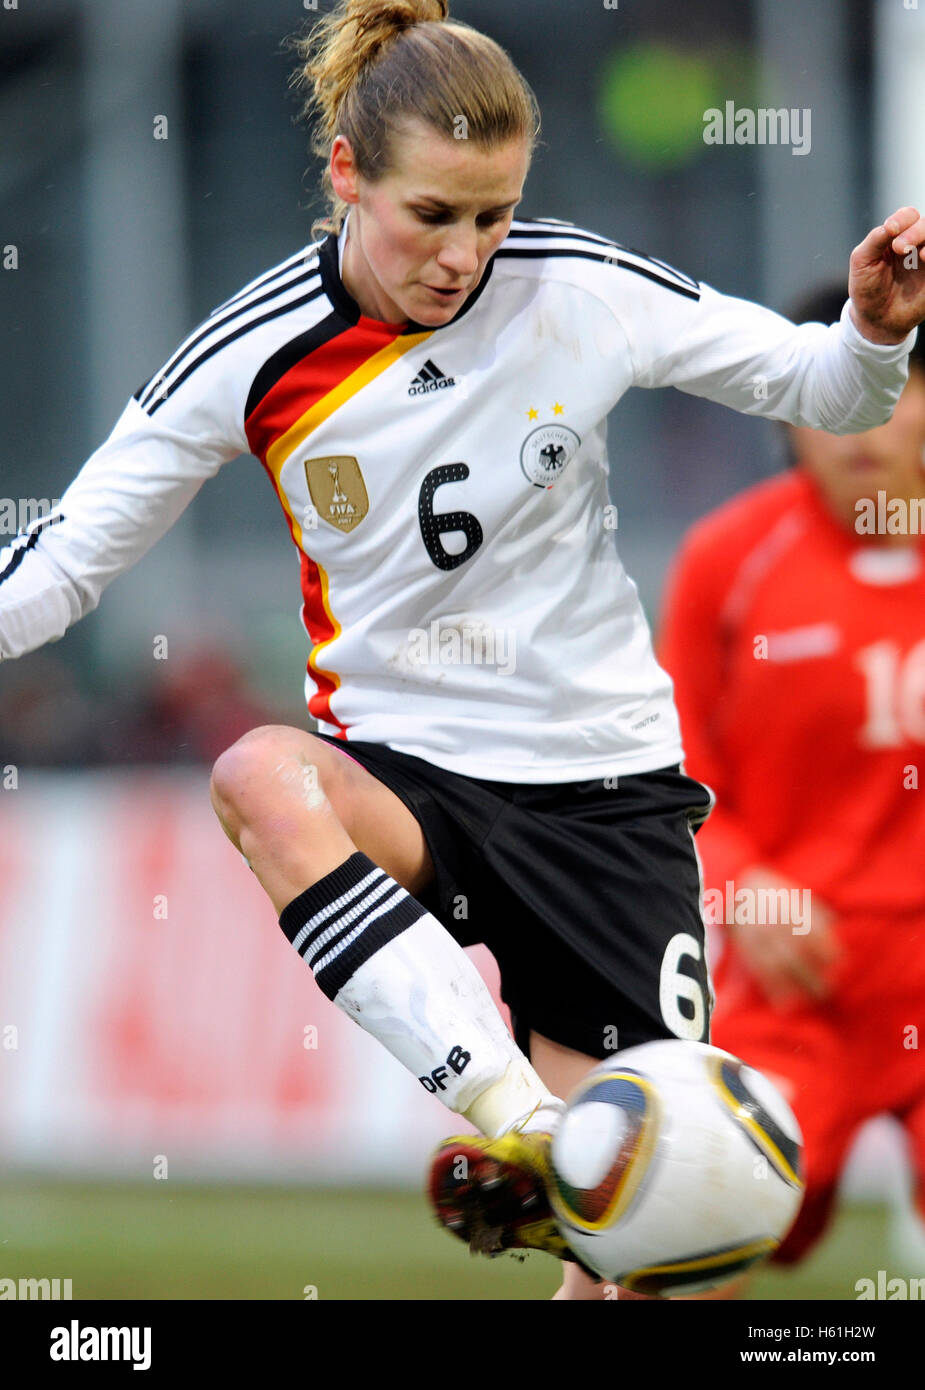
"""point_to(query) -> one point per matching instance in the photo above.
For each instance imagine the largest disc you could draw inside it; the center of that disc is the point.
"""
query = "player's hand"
(789, 967)
(886, 279)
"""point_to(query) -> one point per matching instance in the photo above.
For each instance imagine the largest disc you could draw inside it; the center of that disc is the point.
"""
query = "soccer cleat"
(492, 1193)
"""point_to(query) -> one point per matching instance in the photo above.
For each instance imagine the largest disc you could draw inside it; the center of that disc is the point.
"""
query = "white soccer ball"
(675, 1167)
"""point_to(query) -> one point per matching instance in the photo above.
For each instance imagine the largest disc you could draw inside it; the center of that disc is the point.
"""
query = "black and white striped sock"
(342, 920)
(397, 972)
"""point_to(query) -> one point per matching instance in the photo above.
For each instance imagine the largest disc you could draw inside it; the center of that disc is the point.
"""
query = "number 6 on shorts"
(673, 986)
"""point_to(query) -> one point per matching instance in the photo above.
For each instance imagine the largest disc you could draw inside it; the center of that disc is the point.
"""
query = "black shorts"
(587, 894)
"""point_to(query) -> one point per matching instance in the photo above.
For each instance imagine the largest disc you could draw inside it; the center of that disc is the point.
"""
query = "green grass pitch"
(167, 1241)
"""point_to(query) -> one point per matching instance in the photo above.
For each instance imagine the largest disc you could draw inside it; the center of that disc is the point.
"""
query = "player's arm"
(830, 377)
(126, 496)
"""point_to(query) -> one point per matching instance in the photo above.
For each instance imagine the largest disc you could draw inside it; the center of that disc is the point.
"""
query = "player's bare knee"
(231, 773)
(270, 774)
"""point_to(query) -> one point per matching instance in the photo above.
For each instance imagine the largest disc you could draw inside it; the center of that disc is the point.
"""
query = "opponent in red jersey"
(794, 630)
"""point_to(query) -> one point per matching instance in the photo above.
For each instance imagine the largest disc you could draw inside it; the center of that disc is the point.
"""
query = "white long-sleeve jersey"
(446, 489)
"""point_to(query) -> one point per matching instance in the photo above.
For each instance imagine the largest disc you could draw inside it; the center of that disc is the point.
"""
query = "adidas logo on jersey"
(430, 378)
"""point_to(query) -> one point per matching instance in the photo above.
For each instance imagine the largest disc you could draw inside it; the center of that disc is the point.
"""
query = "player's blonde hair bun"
(352, 37)
(371, 64)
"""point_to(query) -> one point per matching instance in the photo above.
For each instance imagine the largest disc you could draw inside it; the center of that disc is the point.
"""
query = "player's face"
(849, 467)
(421, 236)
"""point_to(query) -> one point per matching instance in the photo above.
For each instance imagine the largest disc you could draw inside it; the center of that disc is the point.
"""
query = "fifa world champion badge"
(337, 490)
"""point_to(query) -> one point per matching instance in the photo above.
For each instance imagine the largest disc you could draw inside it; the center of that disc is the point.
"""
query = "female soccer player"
(813, 744)
(499, 755)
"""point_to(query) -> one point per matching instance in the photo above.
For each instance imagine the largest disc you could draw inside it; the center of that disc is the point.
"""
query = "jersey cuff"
(882, 352)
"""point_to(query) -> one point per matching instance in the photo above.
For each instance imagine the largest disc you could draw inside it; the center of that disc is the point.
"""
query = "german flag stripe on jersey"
(295, 391)
(307, 380)
(322, 627)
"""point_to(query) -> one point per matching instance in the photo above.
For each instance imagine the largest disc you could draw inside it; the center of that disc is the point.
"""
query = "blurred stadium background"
(183, 1114)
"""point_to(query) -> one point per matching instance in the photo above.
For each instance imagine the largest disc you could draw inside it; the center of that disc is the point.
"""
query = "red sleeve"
(691, 648)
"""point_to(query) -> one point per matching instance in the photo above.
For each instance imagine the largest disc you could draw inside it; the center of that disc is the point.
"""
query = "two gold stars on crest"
(557, 409)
